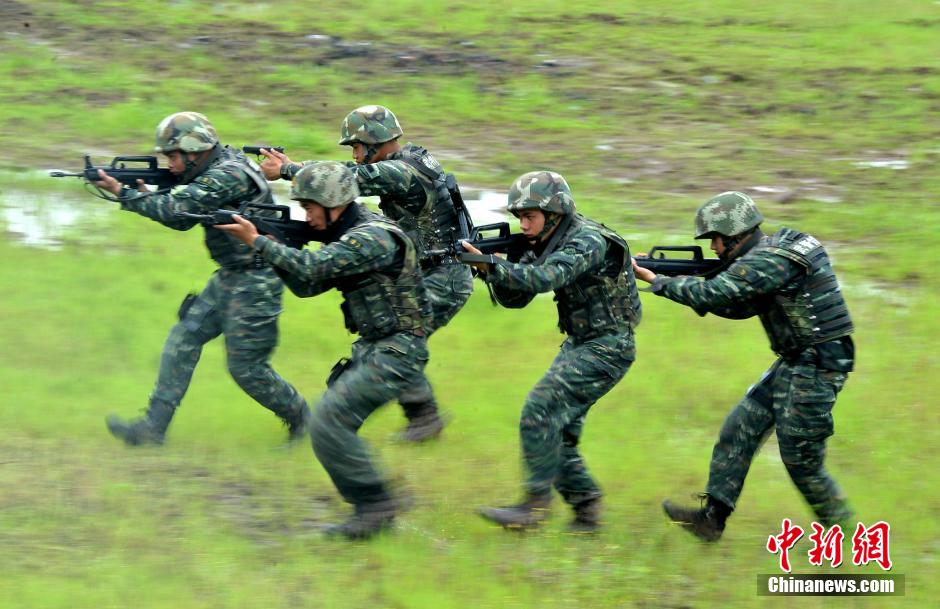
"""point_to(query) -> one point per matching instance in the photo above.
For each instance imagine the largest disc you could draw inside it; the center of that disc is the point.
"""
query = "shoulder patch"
(366, 171)
(350, 240)
(745, 272)
(430, 162)
(806, 244)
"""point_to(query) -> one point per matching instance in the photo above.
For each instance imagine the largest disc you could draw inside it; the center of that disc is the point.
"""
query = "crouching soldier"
(587, 265)
(786, 280)
(411, 186)
(374, 264)
(242, 299)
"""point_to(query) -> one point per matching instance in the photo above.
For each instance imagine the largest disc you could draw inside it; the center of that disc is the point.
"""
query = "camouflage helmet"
(545, 190)
(369, 125)
(186, 131)
(729, 214)
(327, 183)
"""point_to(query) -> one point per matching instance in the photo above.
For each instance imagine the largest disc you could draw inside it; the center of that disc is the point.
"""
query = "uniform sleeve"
(289, 170)
(358, 251)
(735, 292)
(582, 254)
(208, 192)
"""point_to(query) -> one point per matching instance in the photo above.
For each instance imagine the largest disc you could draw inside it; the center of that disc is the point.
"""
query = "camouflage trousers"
(448, 287)
(242, 305)
(376, 373)
(554, 412)
(796, 398)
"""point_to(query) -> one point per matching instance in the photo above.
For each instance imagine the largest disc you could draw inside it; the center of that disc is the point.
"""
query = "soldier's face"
(175, 162)
(531, 221)
(316, 214)
(718, 245)
(359, 153)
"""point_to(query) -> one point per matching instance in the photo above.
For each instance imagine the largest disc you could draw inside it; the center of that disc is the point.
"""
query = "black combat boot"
(424, 423)
(298, 424)
(707, 522)
(148, 429)
(367, 520)
(587, 516)
(526, 515)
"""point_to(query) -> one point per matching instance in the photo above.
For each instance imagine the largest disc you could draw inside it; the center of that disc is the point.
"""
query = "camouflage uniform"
(242, 299)
(587, 266)
(410, 184)
(375, 266)
(787, 281)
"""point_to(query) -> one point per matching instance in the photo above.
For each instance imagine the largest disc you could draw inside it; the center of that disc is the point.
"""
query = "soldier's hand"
(271, 165)
(242, 229)
(108, 183)
(480, 266)
(644, 274)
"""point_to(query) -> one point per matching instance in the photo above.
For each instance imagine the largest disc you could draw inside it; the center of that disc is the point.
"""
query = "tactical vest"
(379, 303)
(226, 250)
(435, 226)
(604, 301)
(809, 311)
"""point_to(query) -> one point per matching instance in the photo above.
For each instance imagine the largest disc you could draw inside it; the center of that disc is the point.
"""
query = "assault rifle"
(505, 242)
(256, 150)
(293, 233)
(143, 168)
(697, 266)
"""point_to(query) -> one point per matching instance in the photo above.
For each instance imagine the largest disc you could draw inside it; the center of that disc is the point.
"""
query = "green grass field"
(826, 111)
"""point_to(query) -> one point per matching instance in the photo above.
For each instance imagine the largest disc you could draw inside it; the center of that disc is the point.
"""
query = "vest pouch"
(348, 320)
(370, 311)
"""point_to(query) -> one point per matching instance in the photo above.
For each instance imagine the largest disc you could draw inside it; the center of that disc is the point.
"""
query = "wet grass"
(648, 108)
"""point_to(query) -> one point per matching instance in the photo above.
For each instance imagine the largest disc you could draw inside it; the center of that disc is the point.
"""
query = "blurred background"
(825, 111)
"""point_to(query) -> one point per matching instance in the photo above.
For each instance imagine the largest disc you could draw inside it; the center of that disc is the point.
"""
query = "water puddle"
(895, 164)
(50, 218)
(487, 206)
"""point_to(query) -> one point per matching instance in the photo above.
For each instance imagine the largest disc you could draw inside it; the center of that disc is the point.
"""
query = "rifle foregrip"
(468, 258)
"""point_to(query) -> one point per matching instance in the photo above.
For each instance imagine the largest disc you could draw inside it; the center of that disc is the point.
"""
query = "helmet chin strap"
(749, 239)
(194, 168)
(551, 221)
(371, 151)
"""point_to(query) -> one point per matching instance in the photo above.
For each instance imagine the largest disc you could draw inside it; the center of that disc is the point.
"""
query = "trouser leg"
(250, 325)
(553, 414)
(804, 405)
(448, 287)
(742, 434)
(378, 372)
(182, 350)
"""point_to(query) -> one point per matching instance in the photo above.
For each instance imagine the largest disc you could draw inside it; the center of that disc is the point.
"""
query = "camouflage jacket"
(588, 269)
(372, 262)
(786, 280)
(228, 180)
(414, 197)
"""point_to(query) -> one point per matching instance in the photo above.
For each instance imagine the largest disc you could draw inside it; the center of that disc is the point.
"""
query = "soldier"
(411, 187)
(587, 265)
(786, 280)
(374, 264)
(242, 299)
